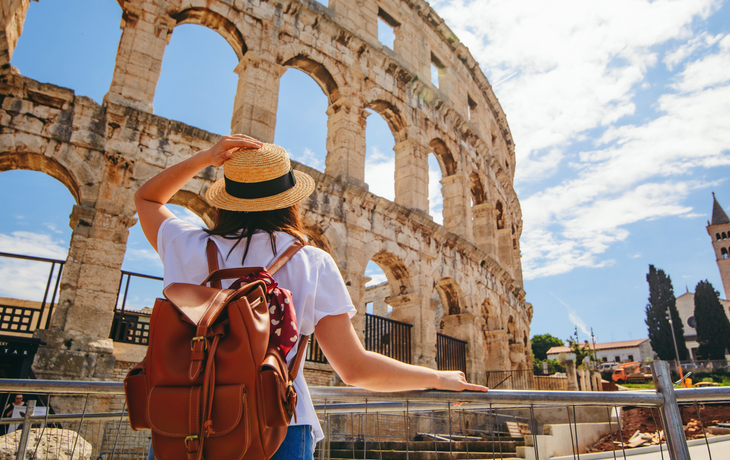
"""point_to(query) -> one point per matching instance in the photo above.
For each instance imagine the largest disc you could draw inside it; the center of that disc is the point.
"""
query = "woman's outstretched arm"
(372, 371)
(151, 197)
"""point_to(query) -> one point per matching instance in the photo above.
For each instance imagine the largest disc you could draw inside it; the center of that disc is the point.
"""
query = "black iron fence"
(388, 337)
(130, 326)
(450, 353)
(314, 353)
(22, 317)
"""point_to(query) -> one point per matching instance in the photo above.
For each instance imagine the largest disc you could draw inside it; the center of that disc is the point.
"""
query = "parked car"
(705, 384)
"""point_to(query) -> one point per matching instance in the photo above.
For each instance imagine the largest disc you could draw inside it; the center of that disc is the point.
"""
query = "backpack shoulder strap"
(284, 258)
(212, 252)
(294, 365)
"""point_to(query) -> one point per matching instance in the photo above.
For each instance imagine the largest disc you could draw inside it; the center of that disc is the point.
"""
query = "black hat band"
(253, 190)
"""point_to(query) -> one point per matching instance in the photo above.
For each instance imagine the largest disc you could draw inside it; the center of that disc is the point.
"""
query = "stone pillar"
(78, 343)
(496, 350)
(411, 175)
(457, 210)
(504, 249)
(139, 58)
(257, 97)
(572, 376)
(12, 17)
(346, 141)
(485, 228)
(412, 309)
(464, 327)
(598, 379)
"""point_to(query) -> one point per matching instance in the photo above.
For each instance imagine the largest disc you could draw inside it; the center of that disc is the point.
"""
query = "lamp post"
(674, 340)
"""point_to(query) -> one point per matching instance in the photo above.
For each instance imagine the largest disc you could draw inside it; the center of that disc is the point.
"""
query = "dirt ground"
(647, 420)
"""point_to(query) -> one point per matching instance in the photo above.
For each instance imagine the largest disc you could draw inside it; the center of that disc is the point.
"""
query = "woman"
(258, 217)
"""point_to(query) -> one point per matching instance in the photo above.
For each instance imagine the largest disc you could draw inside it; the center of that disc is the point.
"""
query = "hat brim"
(218, 197)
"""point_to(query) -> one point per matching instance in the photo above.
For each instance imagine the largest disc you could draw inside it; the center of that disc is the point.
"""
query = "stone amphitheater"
(462, 279)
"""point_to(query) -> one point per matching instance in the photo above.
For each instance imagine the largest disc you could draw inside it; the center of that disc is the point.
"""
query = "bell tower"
(719, 231)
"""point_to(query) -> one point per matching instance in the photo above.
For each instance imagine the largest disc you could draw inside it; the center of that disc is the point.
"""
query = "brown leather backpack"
(210, 386)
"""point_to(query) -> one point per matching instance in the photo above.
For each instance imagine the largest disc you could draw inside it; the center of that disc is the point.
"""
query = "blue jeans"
(298, 445)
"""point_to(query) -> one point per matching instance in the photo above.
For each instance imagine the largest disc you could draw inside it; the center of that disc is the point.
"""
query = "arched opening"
(717, 235)
(214, 21)
(477, 189)
(511, 330)
(35, 223)
(435, 195)
(301, 119)
(141, 259)
(197, 84)
(379, 157)
(724, 253)
(446, 299)
(84, 59)
(440, 164)
(500, 215)
(376, 291)
(724, 236)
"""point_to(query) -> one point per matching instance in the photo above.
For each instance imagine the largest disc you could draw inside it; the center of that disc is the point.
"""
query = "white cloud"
(574, 317)
(567, 67)
(24, 279)
(143, 254)
(380, 173)
(435, 197)
(375, 279)
(186, 215)
(33, 244)
(309, 158)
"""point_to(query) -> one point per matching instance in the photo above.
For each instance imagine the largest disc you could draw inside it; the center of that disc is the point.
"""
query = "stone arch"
(41, 163)
(392, 115)
(511, 330)
(196, 203)
(477, 189)
(451, 296)
(500, 215)
(395, 271)
(318, 72)
(443, 155)
(214, 21)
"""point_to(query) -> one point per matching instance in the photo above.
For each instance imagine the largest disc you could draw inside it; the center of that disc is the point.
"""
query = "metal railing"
(450, 353)
(23, 320)
(388, 337)
(449, 421)
(314, 353)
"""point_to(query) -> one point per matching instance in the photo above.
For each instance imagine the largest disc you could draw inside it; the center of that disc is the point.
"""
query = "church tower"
(719, 231)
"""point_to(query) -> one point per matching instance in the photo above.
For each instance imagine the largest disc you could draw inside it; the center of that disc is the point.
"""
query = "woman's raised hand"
(221, 151)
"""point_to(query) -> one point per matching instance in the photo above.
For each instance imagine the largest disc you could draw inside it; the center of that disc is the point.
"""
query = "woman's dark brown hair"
(237, 225)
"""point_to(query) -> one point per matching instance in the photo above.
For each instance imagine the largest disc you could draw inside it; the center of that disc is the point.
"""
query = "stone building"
(102, 153)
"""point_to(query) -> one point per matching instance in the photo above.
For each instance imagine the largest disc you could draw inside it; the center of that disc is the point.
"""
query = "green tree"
(661, 301)
(713, 327)
(580, 351)
(542, 343)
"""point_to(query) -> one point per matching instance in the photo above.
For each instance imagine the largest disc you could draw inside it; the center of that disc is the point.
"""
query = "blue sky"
(619, 113)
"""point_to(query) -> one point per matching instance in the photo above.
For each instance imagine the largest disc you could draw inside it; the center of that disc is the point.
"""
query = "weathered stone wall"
(104, 153)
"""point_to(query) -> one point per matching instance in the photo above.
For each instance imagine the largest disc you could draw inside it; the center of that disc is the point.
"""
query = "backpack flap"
(174, 414)
(193, 301)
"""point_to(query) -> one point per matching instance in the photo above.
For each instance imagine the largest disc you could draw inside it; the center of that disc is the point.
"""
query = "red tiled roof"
(602, 346)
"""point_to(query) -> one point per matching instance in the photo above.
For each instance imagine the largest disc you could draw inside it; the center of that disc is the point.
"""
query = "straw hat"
(259, 180)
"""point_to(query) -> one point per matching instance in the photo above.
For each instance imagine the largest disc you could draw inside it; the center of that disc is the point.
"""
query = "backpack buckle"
(198, 339)
(189, 439)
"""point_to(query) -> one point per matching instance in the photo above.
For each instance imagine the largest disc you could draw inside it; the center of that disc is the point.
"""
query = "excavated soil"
(647, 420)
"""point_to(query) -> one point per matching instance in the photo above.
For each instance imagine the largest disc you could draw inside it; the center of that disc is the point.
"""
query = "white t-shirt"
(311, 275)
